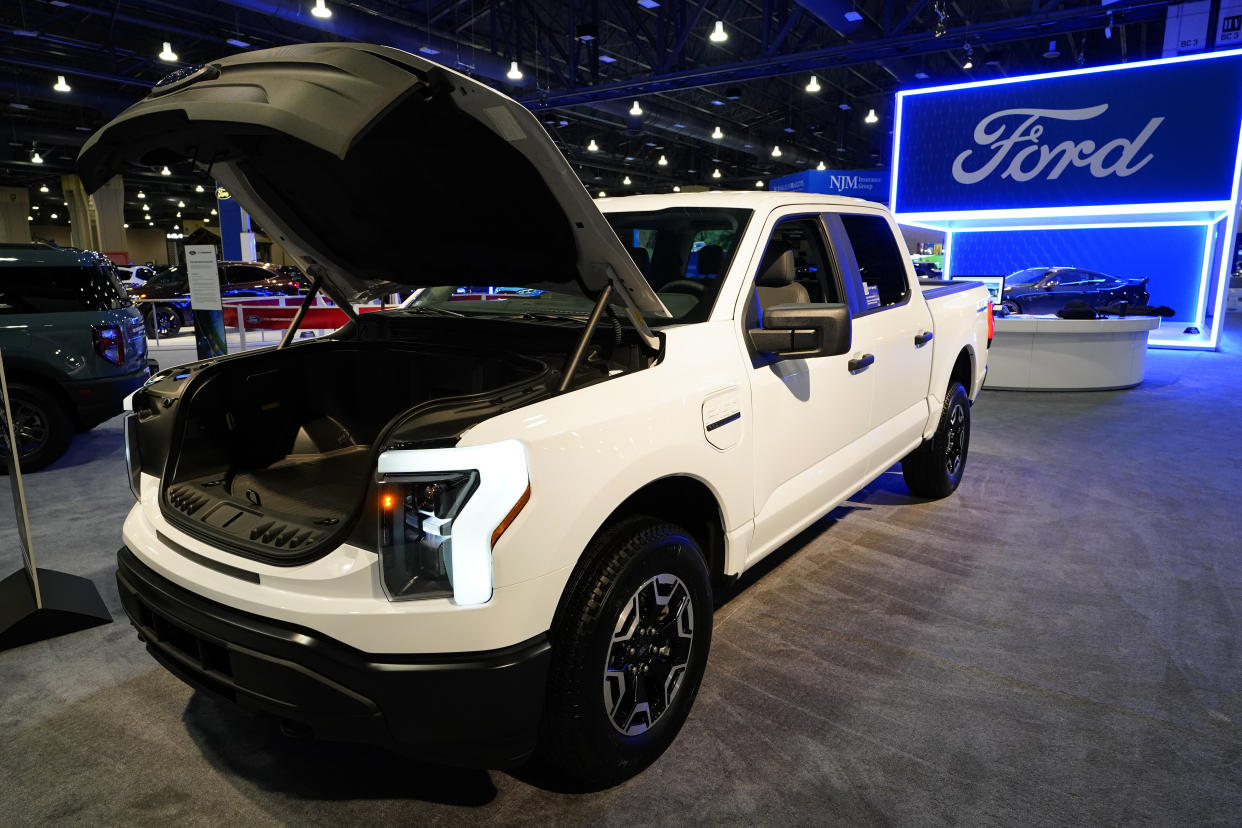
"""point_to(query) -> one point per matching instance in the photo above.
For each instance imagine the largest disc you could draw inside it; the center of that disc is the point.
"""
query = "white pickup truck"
(494, 519)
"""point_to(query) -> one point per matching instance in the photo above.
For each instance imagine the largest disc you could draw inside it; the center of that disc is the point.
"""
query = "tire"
(43, 427)
(168, 319)
(640, 608)
(1011, 306)
(935, 468)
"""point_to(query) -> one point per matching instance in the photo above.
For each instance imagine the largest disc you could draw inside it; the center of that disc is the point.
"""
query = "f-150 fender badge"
(722, 418)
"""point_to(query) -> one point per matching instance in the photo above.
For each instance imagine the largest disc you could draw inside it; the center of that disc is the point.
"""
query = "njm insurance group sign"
(1161, 134)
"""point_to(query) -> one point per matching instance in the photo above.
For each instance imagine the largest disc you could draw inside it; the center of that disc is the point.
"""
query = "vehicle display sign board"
(1159, 132)
(9, 437)
(872, 185)
(200, 266)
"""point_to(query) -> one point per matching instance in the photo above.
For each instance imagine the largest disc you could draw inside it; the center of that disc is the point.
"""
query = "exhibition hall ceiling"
(720, 83)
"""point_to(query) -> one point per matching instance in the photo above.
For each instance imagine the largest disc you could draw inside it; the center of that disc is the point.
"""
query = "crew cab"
(470, 530)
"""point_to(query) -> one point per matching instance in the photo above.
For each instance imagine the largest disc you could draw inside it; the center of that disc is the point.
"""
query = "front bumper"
(471, 709)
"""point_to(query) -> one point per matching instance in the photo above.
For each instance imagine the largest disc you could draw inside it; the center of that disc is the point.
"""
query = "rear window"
(881, 263)
(59, 290)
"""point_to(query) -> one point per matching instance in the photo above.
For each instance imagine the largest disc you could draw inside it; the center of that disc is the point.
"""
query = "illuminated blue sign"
(1159, 132)
(872, 185)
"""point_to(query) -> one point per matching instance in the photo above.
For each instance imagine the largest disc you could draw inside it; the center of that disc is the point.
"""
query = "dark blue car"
(1048, 289)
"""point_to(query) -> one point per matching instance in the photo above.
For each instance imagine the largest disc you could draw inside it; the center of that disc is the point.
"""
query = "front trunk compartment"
(273, 454)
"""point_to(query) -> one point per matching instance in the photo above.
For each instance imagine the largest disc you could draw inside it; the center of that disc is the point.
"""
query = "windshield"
(1026, 277)
(684, 252)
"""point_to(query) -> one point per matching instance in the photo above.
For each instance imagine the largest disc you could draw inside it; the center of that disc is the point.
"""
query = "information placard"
(200, 265)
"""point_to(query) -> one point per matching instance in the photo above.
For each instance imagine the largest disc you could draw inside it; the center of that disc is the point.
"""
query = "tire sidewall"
(956, 398)
(60, 429)
(667, 550)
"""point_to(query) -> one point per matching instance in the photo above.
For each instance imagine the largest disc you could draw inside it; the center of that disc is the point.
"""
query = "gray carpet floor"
(1056, 644)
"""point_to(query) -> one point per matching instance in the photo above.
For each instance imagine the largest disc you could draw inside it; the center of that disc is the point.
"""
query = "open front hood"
(377, 168)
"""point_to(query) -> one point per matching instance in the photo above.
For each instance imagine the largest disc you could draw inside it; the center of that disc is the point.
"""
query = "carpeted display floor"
(1056, 644)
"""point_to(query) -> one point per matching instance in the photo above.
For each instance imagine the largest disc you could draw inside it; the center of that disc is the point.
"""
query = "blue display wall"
(1171, 256)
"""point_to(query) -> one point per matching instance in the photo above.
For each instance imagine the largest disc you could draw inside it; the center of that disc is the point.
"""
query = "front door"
(810, 415)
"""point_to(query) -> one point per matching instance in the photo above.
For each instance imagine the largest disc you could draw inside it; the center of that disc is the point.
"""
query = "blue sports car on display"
(1048, 289)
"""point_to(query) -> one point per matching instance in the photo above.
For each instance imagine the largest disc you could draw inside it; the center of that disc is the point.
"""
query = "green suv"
(74, 346)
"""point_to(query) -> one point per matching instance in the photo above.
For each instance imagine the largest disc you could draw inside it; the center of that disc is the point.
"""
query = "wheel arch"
(963, 370)
(22, 374)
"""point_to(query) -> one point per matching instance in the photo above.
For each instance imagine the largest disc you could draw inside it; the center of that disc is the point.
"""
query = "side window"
(881, 263)
(813, 272)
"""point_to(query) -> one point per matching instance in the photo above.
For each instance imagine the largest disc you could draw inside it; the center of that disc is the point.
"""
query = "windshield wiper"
(430, 310)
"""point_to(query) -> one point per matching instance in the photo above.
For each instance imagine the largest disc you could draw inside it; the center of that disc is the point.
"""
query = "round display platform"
(1047, 353)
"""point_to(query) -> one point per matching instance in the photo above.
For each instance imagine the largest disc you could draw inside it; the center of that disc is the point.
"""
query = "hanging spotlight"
(626, 181)
(165, 171)
(636, 110)
(146, 208)
(716, 173)
(759, 183)
(592, 147)
(141, 194)
(1053, 51)
(126, 225)
(718, 35)
(54, 216)
(36, 158)
(43, 188)
(515, 72)
(821, 166)
(34, 206)
(214, 212)
(970, 63)
(321, 10)
(199, 188)
(150, 224)
(1108, 28)
(60, 85)
(602, 194)
(717, 134)
(663, 162)
(871, 117)
(180, 203)
(776, 151)
(29, 218)
(813, 86)
(168, 54)
(676, 189)
(178, 214)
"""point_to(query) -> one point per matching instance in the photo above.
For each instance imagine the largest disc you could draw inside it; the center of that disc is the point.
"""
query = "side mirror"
(803, 331)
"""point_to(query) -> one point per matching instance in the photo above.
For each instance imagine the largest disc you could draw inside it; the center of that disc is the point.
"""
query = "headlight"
(416, 531)
(441, 512)
(133, 455)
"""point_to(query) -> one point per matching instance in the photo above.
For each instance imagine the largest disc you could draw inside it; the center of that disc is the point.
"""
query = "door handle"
(922, 339)
(861, 363)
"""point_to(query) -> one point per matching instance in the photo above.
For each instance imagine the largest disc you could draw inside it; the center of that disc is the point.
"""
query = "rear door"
(892, 319)
(810, 416)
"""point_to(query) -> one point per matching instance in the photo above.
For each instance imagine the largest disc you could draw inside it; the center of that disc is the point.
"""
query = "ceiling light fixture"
(1053, 51)
(214, 212)
(60, 85)
(199, 188)
(676, 189)
(43, 188)
(238, 42)
(178, 214)
(36, 158)
(126, 225)
(970, 62)
(141, 194)
(602, 194)
(636, 110)
(717, 134)
(821, 166)
(165, 171)
(813, 86)
(759, 183)
(718, 35)
(871, 117)
(776, 151)
(663, 162)
(168, 54)
(321, 10)
(515, 71)
(54, 215)
(592, 147)
(843, 107)
(146, 208)
(716, 173)
(180, 203)
(626, 181)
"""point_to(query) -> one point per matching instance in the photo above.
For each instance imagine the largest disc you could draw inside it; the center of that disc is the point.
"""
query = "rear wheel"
(935, 468)
(42, 425)
(168, 320)
(1011, 306)
(629, 645)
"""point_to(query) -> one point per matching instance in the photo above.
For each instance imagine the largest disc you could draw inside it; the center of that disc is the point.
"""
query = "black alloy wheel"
(935, 468)
(41, 427)
(649, 654)
(629, 645)
(1011, 306)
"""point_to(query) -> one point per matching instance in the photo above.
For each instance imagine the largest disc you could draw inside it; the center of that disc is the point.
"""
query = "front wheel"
(1011, 306)
(629, 644)
(41, 425)
(935, 468)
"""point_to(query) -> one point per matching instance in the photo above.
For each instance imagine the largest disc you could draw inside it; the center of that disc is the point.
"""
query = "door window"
(881, 264)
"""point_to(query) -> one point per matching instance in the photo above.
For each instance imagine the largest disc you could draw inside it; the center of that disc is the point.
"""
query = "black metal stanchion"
(38, 603)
